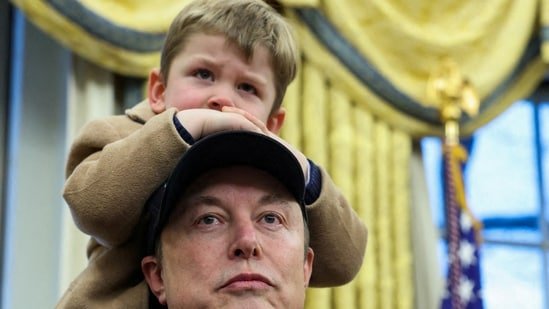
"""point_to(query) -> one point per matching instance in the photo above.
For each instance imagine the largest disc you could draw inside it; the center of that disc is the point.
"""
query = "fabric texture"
(109, 209)
(368, 160)
(354, 40)
(126, 37)
(545, 29)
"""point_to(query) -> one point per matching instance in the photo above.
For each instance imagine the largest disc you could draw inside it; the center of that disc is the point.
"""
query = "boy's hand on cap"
(203, 122)
(260, 124)
(300, 156)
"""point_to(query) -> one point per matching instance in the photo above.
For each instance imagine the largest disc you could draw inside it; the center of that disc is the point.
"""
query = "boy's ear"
(152, 270)
(155, 91)
(276, 119)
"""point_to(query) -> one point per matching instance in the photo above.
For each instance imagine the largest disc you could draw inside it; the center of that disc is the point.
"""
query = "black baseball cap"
(229, 148)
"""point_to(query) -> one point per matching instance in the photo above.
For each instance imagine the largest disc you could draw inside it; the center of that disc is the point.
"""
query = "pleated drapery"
(359, 100)
(369, 162)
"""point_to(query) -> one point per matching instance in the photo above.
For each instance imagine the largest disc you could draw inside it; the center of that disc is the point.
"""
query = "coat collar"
(141, 112)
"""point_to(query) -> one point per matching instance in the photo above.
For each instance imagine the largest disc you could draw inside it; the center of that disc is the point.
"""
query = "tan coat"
(115, 165)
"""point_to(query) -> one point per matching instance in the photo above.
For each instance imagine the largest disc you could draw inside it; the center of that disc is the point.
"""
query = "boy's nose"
(218, 101)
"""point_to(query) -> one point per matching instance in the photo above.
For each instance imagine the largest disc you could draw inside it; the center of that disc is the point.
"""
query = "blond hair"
(246, 23)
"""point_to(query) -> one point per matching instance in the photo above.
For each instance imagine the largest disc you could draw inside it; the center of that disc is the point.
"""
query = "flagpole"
(452, 94)
(450, 115)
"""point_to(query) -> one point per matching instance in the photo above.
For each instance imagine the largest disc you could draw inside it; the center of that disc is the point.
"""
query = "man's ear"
(308, 265)
(276, 119)
(152, 270)
(155, 91)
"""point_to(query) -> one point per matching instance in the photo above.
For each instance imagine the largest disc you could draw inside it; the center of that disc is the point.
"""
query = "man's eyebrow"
(188, 204)
(275, 199)
(204, 200)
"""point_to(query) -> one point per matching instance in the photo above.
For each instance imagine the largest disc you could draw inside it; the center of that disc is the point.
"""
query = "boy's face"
(209, 73)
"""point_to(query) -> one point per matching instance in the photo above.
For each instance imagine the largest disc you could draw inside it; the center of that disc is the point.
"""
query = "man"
(229, 227)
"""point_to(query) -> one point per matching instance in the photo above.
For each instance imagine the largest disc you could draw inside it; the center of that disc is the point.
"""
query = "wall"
(35, 160)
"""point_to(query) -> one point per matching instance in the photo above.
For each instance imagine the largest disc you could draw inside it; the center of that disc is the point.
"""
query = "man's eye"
(248, 88)
(208, 220)
(271, 219)
(203, 74)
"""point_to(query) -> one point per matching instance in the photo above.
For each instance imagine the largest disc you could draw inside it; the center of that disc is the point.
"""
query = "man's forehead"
(212, 187)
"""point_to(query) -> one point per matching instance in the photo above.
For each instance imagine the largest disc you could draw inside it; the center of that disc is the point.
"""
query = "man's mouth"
(243, 282)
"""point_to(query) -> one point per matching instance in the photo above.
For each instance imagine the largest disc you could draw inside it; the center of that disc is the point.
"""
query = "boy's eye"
(203, 74)
(248, 88)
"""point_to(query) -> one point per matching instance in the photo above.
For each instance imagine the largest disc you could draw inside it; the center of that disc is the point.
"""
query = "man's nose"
(245, 243)
(223, 96)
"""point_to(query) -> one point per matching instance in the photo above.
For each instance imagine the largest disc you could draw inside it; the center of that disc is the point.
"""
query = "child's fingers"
(226, 122)
(248, 116)
(298, 154)
(203, 122)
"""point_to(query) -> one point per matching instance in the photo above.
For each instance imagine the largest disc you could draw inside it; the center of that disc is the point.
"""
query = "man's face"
(235, 241)
(209, 73)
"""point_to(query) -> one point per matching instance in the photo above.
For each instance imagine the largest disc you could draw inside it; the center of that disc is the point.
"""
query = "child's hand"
(203, 122)
(300, 156)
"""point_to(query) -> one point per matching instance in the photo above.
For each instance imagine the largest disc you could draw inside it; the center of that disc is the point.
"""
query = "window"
(505, 186)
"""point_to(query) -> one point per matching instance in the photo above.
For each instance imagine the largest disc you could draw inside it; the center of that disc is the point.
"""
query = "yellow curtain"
(545, 29)
(359, 99)
(124, 36)
(369, 162)
(389, 48)
(384, 49)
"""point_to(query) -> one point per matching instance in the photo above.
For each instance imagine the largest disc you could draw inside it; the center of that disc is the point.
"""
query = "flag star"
(465, 290)
(466, 253)
(465, 222)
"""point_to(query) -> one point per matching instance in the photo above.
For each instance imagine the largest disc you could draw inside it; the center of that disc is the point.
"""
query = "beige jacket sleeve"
(114, 166)
(338, 237)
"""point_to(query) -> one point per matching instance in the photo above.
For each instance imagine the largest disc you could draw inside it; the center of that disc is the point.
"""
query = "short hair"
(246, 23)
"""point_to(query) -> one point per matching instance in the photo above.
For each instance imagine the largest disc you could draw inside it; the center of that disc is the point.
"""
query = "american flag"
(463, 284)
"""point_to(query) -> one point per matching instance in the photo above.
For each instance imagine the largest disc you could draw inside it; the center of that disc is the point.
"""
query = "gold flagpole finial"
(451, 93)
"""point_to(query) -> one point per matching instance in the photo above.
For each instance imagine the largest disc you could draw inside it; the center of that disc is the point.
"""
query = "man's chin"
(248, 300)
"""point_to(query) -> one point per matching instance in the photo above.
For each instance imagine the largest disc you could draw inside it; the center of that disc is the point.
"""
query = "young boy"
(225, 65)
